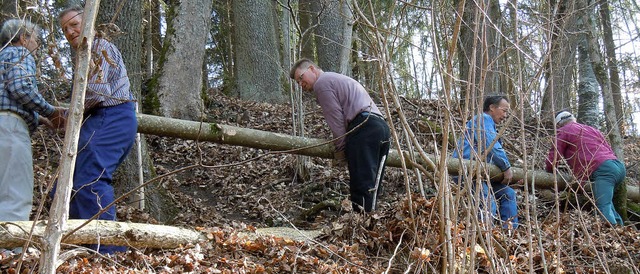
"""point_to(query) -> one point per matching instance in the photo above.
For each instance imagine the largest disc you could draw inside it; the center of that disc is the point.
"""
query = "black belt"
(367, 113)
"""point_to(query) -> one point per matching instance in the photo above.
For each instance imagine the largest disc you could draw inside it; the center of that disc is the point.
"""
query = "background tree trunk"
(9, 10)
(560, 63)
(257, 58)
(612, 63)
(588, 89)
(180, 77)
(333, 35)
(478, 52)
(613, 130)
(620, 195)
(307, 21)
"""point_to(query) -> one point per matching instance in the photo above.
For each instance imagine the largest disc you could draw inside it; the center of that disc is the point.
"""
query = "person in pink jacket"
(590, 158)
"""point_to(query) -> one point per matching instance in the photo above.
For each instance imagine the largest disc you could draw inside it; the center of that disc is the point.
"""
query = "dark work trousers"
(364, 150)
(106, 137)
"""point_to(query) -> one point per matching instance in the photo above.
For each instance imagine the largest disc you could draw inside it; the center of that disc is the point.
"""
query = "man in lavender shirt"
(357, 123)
(590, 157)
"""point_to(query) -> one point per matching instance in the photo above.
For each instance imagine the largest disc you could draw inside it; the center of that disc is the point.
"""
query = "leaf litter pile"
(235, 192)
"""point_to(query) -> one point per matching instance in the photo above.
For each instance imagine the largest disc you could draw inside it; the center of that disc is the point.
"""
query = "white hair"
(13, 29)
(563, 118)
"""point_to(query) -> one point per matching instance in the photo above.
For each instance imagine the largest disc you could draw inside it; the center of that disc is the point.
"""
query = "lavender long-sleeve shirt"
(341, 99)
(584, 148)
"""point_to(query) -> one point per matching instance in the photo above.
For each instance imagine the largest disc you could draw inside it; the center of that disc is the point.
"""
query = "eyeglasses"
(301, 74)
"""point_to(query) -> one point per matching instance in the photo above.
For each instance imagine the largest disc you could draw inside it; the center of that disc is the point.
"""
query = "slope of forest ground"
(237, 190)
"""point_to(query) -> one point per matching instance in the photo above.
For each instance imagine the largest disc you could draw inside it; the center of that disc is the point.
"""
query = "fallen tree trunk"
(232, 135)
(14, 234)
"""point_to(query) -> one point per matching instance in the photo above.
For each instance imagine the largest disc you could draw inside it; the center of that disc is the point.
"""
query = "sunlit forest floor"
(403, 236)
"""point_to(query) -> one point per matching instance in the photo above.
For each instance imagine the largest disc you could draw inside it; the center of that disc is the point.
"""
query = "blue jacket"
(479, 134)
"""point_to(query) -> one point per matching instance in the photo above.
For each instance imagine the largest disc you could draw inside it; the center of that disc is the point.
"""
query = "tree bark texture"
(334, 34)
(258, 73)
(602, 76)
(14, 234)
(307, 21)
(231, 135)
(9, 10)
(180, 80)
(612, 62)
(560, 60)
(478, 51)
(588, 89)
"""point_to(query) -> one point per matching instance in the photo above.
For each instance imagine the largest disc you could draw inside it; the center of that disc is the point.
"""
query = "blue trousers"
(605, 179)
(106, 137)
(364, 150)
(502, 203)
(505, 199)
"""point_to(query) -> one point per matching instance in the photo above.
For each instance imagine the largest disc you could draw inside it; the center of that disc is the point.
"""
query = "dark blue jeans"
(605, 179)
(106, 137)
(364, 150)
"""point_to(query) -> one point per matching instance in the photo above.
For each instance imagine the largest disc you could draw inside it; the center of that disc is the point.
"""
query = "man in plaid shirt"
(21, 110)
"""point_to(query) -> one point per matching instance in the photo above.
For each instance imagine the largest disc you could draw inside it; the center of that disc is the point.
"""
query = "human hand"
(59, 118)
(44, 121)
(507, 175)
(339, 159)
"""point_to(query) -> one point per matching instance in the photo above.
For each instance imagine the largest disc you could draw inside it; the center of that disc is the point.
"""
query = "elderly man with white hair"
(591, 158)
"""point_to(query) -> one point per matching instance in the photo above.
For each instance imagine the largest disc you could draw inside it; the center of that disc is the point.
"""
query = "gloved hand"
(339, 159)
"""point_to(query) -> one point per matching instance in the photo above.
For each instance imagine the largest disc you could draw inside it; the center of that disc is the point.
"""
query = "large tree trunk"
(478, 51)
(560, 60)
(307, 21)
(180, 76)
(602, 75)
(588, 89)
(257, 58)
(333, 35)
(612, 62)
(284, 143)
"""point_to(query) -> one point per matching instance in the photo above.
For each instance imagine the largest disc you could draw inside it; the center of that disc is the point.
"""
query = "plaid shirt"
(18, 86)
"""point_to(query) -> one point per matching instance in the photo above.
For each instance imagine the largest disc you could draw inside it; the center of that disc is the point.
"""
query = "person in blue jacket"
(479, 143)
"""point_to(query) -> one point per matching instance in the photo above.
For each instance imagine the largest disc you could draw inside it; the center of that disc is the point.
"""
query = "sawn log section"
(238, 136)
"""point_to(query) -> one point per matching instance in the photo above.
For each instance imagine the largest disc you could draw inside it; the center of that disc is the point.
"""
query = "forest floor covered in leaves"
(237, 190)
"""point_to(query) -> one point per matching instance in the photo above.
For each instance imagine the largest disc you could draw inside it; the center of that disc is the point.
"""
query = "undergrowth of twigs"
(227, 203)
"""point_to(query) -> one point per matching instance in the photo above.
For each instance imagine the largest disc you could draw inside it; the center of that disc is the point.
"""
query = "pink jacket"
(583, 147)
